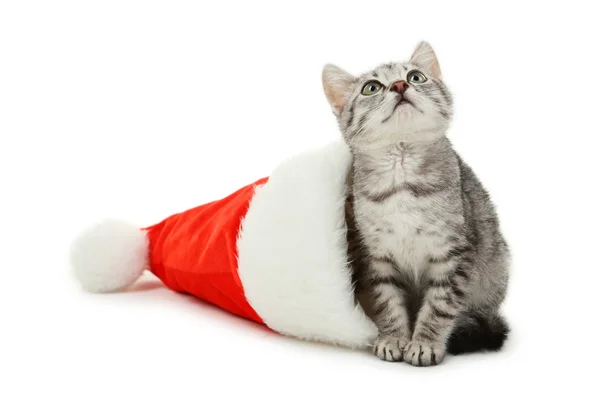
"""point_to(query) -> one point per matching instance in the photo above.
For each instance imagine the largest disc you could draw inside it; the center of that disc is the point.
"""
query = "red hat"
(274, 252)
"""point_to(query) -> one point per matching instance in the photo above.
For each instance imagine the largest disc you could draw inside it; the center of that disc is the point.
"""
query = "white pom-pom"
(109, 256)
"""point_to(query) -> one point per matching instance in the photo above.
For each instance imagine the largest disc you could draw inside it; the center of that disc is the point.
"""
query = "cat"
(430, 261)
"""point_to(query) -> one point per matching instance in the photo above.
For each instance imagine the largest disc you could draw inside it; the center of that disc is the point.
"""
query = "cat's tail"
(479, 333)
(109, 256)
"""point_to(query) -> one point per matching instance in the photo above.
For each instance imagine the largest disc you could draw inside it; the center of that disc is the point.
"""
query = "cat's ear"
(337, 85)
(425, 57)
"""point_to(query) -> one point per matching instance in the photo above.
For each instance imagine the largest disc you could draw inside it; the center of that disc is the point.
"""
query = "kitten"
(435, 264)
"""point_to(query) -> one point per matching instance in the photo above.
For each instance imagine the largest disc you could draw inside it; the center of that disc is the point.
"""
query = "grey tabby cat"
(430, 262)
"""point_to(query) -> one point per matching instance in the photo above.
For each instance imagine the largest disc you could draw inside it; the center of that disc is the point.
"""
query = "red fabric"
(195, 251)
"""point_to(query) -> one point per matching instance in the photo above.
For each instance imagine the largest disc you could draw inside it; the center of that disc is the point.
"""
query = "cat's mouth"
(401, 103)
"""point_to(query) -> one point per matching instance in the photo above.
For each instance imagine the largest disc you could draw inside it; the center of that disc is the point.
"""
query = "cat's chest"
(405, 225)
(401, 227)
(406, 204)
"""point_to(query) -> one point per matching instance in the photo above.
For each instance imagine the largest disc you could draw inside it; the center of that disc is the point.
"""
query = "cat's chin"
(405, 105)
(412, 133)
(408, 127)
(382, 143)
(404, 109)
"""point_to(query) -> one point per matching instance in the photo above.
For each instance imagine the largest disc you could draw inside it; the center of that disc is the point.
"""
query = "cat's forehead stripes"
(390, 72)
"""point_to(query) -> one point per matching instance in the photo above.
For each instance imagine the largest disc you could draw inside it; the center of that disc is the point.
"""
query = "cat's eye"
(416, 77)
(371, 87)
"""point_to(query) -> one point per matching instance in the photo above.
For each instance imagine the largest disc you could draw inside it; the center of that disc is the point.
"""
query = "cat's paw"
(389, 348)
(423, 354)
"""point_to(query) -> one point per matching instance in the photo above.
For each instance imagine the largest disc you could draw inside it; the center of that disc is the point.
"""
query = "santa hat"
(274, 252)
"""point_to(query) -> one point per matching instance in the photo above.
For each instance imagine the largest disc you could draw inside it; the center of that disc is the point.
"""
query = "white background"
(138, 110)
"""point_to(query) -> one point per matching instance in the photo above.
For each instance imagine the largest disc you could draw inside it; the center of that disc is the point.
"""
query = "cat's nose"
(399, 86)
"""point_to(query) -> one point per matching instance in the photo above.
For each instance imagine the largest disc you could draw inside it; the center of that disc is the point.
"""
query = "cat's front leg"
(442, 303)
(389, 309)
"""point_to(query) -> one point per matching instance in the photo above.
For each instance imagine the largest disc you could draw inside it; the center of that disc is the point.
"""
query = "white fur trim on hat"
(292, 251)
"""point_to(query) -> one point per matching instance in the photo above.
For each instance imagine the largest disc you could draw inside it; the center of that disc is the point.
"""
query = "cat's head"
(396, 102)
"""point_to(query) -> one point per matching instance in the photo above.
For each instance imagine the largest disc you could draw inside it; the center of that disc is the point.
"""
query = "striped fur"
(430, 262)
